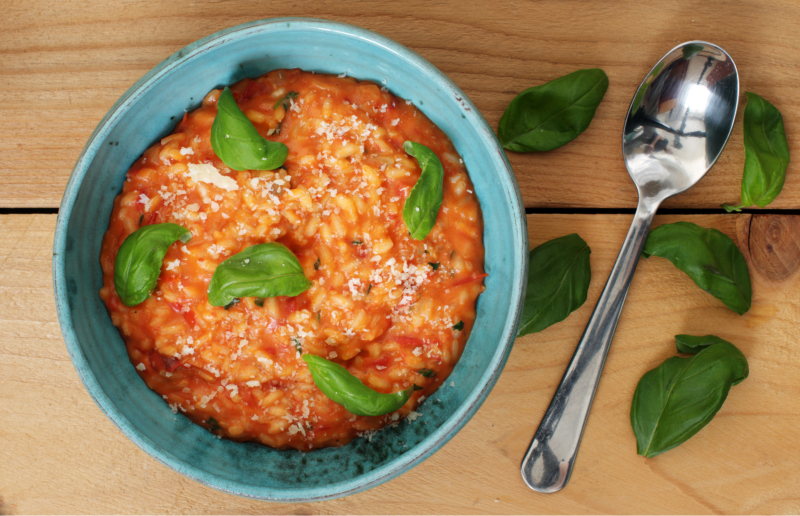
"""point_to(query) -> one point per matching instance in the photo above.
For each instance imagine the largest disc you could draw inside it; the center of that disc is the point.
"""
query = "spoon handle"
(548, 463)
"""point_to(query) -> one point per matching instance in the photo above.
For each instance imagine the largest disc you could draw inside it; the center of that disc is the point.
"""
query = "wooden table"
(63, 64)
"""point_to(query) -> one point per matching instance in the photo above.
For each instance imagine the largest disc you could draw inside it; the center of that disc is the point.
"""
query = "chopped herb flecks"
(213, 424)
(297, 345)
(285, 100)
(259, 301)
(459, 326)
(317, 265)
(427, 373)
(358, 242)
(434, 265)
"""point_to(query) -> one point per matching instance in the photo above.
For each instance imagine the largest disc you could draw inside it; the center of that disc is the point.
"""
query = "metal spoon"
(677, 125)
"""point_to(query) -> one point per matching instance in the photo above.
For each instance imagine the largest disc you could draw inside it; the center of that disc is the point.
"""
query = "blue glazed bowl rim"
(414, 455)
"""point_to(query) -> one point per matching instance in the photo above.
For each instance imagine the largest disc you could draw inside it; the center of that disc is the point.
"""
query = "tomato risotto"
(392, 310)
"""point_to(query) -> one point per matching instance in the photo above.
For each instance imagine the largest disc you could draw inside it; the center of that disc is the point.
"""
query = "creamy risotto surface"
(392, 310)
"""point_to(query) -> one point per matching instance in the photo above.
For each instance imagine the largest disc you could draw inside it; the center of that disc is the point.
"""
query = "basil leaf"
(678, 398)
(766, 154)
(692, 344)
(709, 257)
(559, 274)
(263, 270)
(238, 144)
(338, 384)
(548, 116)
(425, 199)
(139, 259)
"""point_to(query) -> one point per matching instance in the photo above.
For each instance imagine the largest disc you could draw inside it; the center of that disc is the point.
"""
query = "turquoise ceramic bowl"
(147, 112)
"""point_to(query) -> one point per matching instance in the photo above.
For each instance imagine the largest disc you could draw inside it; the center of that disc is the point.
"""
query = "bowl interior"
(149, 111)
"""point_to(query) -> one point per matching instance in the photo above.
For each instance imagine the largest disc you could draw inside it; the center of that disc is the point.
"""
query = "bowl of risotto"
(290, 261)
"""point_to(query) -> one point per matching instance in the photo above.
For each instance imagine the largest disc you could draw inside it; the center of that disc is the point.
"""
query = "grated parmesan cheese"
(207, 173)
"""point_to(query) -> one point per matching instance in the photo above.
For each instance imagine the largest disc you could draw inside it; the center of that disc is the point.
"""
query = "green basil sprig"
(263, 270)
(139, 260)
(709, 257)
(558, 281)
(548, 116)
(425, 199)
(678, 398)
(766, 154)
(238, 144)
(338, 384)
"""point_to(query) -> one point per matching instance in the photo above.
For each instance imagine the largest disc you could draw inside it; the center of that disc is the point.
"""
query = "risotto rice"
(392, 310)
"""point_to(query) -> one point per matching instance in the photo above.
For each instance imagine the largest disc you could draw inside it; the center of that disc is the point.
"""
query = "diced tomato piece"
(149, 218)
(160, 362)
(408, 341)
(289, 306)
(250, 91)
(474, 277)
(114, 303)
(188, 316)
(171, 363)
(383, 362)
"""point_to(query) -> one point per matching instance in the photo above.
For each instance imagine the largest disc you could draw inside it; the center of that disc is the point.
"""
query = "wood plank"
(64, 65)
(59, 454)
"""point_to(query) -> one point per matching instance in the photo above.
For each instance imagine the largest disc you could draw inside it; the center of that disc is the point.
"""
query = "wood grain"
(59, 454)
(63, 64)
(775, 245)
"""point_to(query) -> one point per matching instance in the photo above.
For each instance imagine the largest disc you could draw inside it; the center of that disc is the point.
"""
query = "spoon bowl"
(680, 119)
(677, 125)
